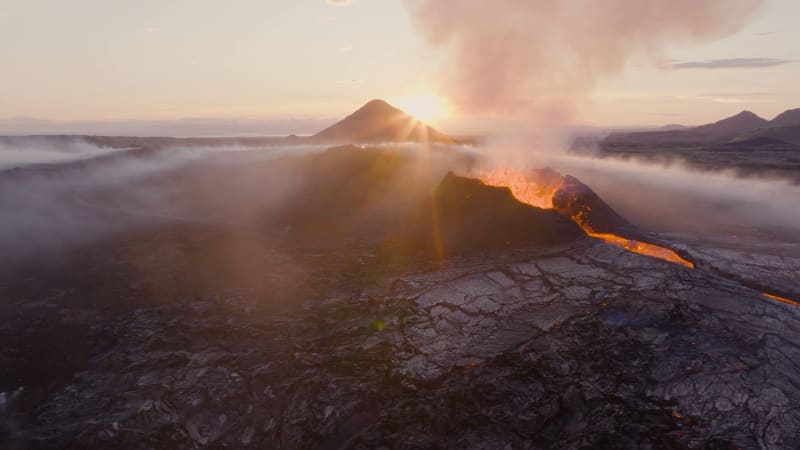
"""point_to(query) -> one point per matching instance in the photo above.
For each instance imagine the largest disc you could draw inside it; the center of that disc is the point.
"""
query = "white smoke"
(539, 58)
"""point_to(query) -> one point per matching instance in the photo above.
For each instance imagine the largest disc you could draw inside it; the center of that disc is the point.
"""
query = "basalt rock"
(465, 215)
(554, 347)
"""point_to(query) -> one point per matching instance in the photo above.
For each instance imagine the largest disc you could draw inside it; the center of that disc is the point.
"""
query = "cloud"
(339, 2)
(768, 33)
(731, 98)
(732, 63)
(741, 94)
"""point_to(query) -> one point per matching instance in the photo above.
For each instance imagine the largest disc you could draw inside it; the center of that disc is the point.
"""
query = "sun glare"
(425, 107)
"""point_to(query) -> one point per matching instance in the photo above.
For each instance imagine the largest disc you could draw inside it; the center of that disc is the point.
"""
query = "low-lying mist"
(54, 201)
(667, 195)
(676, 197)
(56, 206)
(27, 151)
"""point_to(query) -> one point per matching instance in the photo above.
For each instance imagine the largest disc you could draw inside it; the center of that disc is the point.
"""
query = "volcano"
(378, 121)
(469, 215)
(548, 189)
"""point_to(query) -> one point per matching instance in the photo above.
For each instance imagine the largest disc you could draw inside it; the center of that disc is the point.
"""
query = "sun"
(425, 107)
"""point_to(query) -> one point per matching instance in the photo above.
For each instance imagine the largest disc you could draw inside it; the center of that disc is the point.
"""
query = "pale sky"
(265, 61)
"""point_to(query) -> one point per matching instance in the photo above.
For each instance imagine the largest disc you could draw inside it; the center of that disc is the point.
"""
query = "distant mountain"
(743, 122)
(782, 132)
(378, 121)
(787, 118)
(713, 133)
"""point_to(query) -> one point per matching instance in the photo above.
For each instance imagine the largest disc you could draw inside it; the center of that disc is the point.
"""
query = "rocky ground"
(579, 346)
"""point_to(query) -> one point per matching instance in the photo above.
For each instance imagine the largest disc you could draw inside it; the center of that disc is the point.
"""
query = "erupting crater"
(548, 189)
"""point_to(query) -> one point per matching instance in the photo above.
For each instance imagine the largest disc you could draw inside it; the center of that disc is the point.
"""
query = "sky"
(213, 67)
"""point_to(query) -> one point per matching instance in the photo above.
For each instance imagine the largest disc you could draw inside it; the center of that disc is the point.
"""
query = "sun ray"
(425, 107)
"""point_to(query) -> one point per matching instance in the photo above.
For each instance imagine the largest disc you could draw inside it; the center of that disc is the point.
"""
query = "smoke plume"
(540, 57)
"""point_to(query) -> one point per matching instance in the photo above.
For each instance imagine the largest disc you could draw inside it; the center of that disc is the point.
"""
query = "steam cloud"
(540, 57)
(675, 197)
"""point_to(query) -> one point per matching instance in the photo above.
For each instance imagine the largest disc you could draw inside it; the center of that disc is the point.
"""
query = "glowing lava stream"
(781, 299)
(642, 248)
(539, 193)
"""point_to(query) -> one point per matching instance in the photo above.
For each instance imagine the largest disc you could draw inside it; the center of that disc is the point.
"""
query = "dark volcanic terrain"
(373, 297)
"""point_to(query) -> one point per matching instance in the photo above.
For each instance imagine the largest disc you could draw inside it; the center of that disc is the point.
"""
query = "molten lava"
(781, 299)
(525, 186)
(642, 248)
(537, 188)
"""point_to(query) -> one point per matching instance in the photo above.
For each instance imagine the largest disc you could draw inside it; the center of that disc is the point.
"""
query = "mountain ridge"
(790, 117)
(744, 125)
(742, 122)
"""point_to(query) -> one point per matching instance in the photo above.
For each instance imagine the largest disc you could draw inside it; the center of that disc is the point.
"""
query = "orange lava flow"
(781, 299)
(524, 188)
(539, 192)
(642, 248)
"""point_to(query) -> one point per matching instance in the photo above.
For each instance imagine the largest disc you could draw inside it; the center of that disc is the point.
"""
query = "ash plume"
(540, 57)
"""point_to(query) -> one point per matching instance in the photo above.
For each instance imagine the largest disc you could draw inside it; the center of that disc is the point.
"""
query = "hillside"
(740, 123)
(787, 134)
(787, 118)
